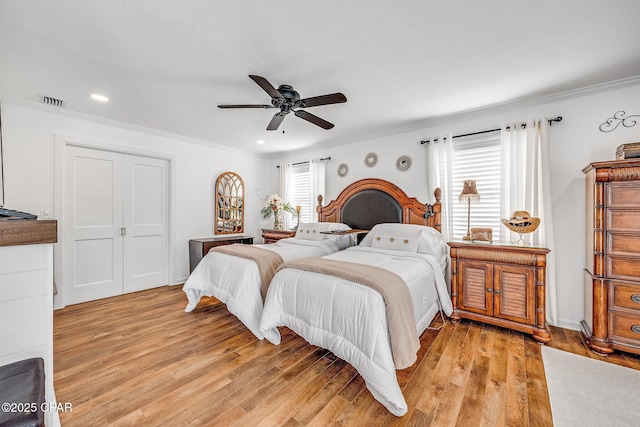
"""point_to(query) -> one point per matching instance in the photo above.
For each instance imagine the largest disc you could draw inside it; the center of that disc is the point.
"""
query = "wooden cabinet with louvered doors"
(612, 263)
(503, 285)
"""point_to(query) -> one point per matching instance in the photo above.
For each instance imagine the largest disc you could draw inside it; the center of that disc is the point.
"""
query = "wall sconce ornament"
(403, 163)
(613, 122)
(343, 170)
(371, 159)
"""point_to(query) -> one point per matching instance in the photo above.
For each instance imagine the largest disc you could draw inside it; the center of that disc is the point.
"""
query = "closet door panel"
(93, 220)
(146, 213)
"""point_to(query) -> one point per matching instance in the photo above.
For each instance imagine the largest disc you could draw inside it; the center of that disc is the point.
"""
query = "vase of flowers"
(275, 206)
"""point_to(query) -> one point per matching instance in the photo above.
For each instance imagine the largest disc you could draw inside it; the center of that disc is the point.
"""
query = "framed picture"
(482, 235)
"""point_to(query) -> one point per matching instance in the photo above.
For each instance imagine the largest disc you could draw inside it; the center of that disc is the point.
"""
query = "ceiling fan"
(288, 100)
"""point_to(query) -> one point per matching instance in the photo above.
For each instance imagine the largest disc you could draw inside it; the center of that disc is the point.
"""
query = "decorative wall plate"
(403, 163)
(343, 170)
(371, 159)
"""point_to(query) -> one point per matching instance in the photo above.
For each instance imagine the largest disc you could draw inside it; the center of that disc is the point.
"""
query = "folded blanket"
(401, 321)
(267, 261)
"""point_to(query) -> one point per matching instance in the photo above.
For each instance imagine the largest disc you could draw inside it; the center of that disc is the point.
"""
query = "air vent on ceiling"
(52, 101)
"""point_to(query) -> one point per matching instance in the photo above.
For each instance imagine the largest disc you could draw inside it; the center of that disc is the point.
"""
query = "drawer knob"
(636, 329)
(635, 297)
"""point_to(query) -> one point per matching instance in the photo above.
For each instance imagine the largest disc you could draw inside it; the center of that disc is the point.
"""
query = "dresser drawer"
(623, 267)
(622, 194)
(625, 295)
(626, 327)
(623, 220)
(623, 244)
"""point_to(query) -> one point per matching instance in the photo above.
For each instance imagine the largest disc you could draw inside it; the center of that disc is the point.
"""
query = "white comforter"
(349, 319)
(236, 281)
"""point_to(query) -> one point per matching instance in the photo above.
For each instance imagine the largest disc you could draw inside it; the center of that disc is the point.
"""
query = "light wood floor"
(140, 360)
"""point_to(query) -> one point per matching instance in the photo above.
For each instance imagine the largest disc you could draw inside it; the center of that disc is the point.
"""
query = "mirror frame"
(229, 203)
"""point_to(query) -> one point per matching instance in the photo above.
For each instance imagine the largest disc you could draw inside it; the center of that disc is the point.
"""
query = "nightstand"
(272, 236)
(500, 284)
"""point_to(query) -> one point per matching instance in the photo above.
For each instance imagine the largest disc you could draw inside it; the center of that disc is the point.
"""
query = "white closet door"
(116, 223)
(93, 251)
(146, 220)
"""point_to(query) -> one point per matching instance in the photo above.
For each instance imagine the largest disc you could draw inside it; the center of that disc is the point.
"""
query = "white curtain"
(526, 185)
(439, 164)
(283, 191)
(317, 172)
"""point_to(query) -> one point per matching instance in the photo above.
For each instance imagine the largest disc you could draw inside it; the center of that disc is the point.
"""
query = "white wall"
(575, 142)
(28, 138)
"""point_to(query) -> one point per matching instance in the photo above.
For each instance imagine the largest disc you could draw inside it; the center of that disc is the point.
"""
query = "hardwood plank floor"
(140, 360)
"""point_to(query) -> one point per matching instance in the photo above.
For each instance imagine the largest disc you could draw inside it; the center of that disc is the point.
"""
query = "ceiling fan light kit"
(288, 100)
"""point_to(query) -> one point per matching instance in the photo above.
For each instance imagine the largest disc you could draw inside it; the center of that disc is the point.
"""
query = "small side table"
(272, 236)
(198, 248)
(500, 284)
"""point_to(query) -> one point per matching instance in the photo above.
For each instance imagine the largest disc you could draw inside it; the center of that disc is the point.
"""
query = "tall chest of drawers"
(612, 265)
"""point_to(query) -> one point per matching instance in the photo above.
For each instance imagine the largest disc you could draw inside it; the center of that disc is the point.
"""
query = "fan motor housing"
(288, 93)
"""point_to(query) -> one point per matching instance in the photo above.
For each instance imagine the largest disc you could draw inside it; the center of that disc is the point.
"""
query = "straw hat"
(521, 222)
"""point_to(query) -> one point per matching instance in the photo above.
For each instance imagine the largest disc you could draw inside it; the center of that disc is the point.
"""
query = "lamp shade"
(469, 191)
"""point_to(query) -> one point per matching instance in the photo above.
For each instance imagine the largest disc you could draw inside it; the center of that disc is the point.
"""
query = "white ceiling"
(166, 64)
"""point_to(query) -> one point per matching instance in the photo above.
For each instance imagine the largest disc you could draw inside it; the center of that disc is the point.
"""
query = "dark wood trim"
(413, 211)
(28, 232)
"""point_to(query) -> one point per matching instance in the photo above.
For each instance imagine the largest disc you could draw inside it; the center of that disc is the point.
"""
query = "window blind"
(299, 190)
(477, 157)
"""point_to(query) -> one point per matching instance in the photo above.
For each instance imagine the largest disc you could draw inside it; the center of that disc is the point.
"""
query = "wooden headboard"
(372, 201)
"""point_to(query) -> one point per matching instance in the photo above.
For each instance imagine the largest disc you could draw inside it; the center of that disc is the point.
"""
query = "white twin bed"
(348, 318)
(236, 281)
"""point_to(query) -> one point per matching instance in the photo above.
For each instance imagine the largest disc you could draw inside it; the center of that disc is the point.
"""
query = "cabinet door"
(514, 290)
(475, 287)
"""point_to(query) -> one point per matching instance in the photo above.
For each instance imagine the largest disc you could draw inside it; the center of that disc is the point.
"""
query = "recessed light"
(260, 141)
(99, 97)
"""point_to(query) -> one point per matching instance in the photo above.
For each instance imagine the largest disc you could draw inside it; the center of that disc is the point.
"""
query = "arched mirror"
(229, 204)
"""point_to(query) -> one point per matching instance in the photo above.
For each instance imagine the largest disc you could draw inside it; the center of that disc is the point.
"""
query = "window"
(299, 191)
(477, 157)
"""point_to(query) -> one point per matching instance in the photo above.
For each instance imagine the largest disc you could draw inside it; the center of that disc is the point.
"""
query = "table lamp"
(469, 192)
(298, 209)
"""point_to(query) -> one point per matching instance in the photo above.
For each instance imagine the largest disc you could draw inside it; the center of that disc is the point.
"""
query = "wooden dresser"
(198, 248)
(272, 236)
(500, 284)
(612, 265)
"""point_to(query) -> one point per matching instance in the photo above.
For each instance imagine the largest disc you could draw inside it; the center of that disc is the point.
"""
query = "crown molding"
(122, 125)
(502, 107)
(522, 102)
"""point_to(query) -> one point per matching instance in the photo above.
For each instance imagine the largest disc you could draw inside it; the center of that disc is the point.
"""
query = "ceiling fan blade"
(274, 124)
(247, 106)
(333, 98)
(267, 87)
(313, 119)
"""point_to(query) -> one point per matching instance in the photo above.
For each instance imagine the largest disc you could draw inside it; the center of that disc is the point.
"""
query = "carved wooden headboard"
(371, 201)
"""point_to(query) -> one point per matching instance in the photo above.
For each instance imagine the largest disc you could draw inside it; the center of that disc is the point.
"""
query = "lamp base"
(467, 237)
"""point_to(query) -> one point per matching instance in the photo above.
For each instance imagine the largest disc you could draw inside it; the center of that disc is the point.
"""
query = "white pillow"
(430, 240)
(397, 241)
(310, 231)
(313, 230)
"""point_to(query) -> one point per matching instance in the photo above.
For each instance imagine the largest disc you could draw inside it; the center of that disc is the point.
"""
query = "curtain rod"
(555, 119)
(325, 159)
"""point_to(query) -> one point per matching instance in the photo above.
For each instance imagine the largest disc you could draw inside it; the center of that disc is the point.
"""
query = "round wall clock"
(343, 170)
(371, 159)
(403, 163)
